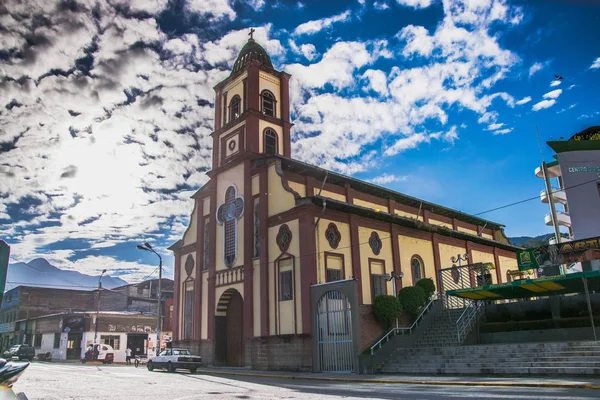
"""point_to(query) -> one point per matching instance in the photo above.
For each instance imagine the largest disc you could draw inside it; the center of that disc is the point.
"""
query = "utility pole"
(146, 247)
(98, 307)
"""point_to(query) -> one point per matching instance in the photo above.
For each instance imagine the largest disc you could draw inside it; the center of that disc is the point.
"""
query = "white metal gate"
(334, 328)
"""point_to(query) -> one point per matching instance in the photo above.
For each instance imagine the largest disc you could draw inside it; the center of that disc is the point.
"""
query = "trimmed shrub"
(412, 299)
(386, 309)
(428, 287)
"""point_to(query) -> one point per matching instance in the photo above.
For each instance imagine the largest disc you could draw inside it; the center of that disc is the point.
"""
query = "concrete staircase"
(560, 358)
(442, 332)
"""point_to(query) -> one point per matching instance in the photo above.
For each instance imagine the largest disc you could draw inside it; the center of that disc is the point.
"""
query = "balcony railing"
(558, 195)
(562, 218)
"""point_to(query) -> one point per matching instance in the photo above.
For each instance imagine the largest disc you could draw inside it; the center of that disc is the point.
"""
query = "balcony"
(563, 239)
(559, 196)
(563, 219)
(553, 170)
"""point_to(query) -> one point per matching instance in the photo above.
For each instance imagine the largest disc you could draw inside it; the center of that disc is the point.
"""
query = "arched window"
(270, 142)
(416, 267)
(268, 103)
(234, 108)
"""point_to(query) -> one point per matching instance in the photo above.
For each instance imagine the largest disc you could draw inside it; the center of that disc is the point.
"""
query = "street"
(76, 381)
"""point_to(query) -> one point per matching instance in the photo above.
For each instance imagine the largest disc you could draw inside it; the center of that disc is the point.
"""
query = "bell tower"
(252, 112)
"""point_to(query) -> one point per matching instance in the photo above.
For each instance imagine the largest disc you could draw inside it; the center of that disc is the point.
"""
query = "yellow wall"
(262, 125)
(471, 231)
(233, 88)
(409, 247)
(258, 289)
(255, 184)
(368, 204)
(365, 253)
(271, 83)
(204, 322)
(507, 264)
(447, 252)
(237, 140)
(182, 278)
(405, 214)
(279, 199)
(286, 325)
(480, 256)
(191, 232)
(298, 187)
(487, 236)
(286, 308)
(206, 206)
(233, 176)
(343, 248)
(440, 223)
(331, 195)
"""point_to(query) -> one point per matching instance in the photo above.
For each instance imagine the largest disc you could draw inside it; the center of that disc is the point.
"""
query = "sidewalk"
(442, 380)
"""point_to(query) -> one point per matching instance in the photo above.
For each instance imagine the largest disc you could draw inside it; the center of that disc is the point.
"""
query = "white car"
(173, 359)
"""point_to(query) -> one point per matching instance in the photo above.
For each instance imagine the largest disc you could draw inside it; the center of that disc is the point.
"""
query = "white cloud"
(524, 100)
(218, 8)
(503, 131)
(538, 66)
(493, 127)
(543, 104)
(309, 51)
(257, 5)
(567, 109)
(553, 94)
(410, 142)
(312, 27)
(381, 5)
(377, 81)
(417, 40)
(595, 64)
(386, 178)
(555, 83)
(415, 3)
(571, 87)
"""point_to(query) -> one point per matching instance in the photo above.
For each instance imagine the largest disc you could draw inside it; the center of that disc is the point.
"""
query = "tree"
(428, 287)
(412, 299)
(386, 310)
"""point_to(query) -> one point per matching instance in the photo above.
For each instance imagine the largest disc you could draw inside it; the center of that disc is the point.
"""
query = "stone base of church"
(203, 348)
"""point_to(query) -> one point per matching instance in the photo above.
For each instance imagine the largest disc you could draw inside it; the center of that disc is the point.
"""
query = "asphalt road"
(76, 381)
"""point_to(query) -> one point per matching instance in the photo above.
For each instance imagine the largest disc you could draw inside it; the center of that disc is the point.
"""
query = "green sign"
(4, 255)
(526, 260)
(560, 253)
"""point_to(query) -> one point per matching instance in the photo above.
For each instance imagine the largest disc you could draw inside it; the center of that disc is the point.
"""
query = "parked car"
(173, 359)
(99, 352)
(20, 351)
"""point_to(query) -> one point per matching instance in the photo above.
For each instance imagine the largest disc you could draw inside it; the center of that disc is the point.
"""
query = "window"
(416, 268)
(286, 291)
(227, 215)
(333, 236)
(37, 341)
(284, 238)
(334, 275)
(206, 244)
(375, 243)
(334, 264)
(268, 103)
(270, 142)
(234, 108)
(56, 340)
(188, 308)
(256, 252)
(111, 340)
(378, 283)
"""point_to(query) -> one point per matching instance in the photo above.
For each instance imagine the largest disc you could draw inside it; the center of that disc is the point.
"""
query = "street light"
(147, 247)
(98, 306)
(392, 277)
(459, 258)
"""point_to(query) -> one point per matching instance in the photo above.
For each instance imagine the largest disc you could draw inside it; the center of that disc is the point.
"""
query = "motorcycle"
(9, 373)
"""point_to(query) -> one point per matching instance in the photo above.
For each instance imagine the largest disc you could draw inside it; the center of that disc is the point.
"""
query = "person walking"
(128, 356)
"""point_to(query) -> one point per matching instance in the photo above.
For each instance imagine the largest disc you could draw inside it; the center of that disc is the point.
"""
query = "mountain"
(40, 272)
(528, 241)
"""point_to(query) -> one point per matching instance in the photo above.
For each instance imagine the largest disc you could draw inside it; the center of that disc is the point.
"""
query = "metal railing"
(397, 330)
(467, 319)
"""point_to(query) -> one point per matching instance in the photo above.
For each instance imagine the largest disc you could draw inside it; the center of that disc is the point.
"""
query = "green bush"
(428, 287)
(412, 299)
(386, 309)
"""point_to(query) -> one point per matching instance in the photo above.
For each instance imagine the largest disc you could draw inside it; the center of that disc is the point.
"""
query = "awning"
(524, 288)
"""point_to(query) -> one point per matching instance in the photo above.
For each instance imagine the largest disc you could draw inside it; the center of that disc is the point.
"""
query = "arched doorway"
(334, 330)
(229, 346)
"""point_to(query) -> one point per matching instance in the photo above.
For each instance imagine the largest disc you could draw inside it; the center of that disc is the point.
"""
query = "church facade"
(267, 232)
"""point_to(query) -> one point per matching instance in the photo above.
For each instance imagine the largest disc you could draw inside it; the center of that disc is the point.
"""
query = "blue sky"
(107, 108)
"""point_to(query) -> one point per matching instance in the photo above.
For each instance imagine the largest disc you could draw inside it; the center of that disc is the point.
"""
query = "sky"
(106, 107)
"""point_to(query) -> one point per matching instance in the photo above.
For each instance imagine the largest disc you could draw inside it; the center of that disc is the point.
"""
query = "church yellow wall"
(191, 232)
(255, 184)
(258, 289)
(331, 195)
(508, 264)
(262, 125)
(233, 88)
(206, 207)
(271, 83)
(343, 248)
(182, 278)
(298, 187)
(447, 252)
(409, 247)
(440, 223)
(487, 236)
(279, 199)
(405, 214)
(233, 176)
(365, 253)
(204, 321)
(466, 230)
(373, 206)
(480, 256)
(285, 316)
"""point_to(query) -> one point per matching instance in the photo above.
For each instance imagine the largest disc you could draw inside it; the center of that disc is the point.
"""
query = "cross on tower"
(227, 215)
(251, 32)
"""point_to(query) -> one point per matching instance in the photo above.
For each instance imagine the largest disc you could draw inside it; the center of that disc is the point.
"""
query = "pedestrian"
(128, 356)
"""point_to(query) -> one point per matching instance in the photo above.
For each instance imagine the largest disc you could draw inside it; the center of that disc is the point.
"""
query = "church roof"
(251, 51)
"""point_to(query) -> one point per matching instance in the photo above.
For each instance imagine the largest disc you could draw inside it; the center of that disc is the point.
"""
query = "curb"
(410, 382)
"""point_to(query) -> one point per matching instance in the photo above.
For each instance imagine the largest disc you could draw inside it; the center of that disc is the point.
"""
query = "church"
(281, 261)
